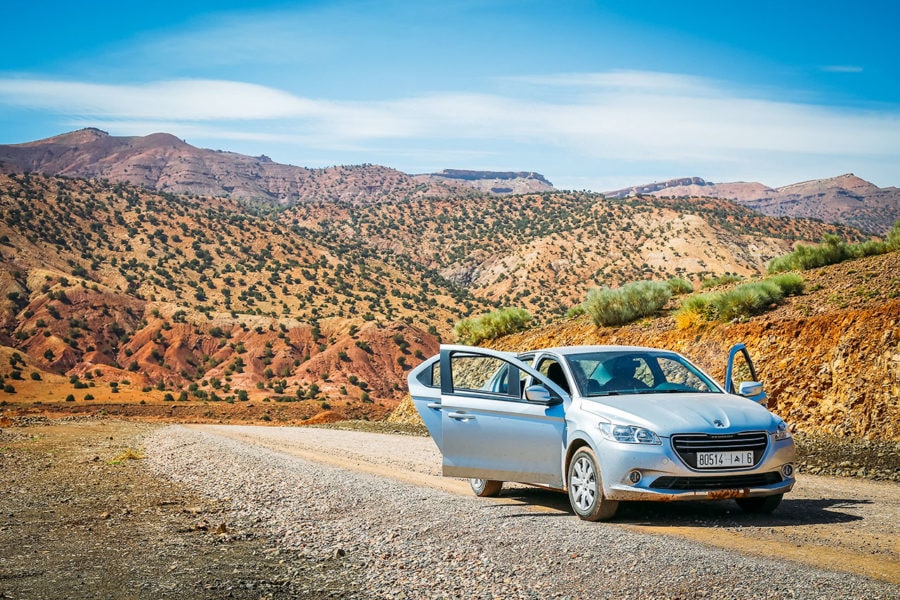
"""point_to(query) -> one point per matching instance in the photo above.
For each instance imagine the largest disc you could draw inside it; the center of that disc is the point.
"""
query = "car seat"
(556, 375)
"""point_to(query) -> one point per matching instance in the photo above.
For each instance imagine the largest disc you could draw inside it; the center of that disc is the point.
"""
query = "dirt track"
(82, 516)
(840, 524)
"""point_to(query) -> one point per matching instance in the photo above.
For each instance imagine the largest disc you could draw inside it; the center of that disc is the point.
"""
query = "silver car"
(605, 423)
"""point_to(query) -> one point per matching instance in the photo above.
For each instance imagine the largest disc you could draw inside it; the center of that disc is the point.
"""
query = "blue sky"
(594, 95)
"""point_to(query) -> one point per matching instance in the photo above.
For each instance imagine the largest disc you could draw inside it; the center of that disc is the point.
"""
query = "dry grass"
(128, 454)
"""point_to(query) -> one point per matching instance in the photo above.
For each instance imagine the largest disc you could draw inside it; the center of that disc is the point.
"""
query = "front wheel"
(760, 505)
(586, 488)
(486, 487)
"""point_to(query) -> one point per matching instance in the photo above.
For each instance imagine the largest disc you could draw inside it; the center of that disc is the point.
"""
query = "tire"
(486, 487)
(761, 505)
(586, 488)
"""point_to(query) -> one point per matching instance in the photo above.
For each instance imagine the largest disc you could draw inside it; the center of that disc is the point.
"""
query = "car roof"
(569, 350)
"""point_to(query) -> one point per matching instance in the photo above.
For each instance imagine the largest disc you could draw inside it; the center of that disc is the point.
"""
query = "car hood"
(667, 414)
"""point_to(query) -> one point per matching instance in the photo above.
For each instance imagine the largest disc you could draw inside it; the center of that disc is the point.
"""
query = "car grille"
(722, 482)
(687, 445)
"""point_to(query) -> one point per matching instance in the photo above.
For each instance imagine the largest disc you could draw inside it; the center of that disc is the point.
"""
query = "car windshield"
(636, 372)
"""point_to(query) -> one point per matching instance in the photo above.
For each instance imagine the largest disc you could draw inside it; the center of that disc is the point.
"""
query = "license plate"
(715, 460)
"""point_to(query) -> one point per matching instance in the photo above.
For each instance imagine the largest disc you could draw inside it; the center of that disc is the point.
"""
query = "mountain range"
(163, 162)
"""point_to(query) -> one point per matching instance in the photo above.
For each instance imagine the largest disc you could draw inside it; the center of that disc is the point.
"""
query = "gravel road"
(365, 515)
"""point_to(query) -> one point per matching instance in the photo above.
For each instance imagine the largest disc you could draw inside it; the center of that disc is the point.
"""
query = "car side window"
(436, 374)
(431, 377)
(482, 374)
(551, 368)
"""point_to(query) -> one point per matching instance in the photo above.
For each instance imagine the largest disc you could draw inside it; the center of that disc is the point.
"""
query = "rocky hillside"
(165, 163)
(543, 252)
(830, 358)
(111, 283)
(845, 199)
(320, 302)
(492, 182)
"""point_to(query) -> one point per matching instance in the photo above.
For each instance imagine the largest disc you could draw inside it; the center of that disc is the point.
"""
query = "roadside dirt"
(80, 517)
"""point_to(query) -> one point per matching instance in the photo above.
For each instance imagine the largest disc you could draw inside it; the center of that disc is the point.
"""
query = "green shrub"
(492, 325)
(791, 284)
(741, 302)
(867, 248)
(892, 239)
(626, 304)
(695, 309)
(833, 250)
(709, 282)
(575, 311)
(747, 299)
(679, 286)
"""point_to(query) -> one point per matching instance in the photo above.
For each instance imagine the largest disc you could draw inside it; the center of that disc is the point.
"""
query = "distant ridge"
(163, 162)
(845, 199)
(493, 182)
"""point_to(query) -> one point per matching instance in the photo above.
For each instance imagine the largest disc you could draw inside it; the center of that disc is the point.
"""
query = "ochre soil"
(44, 399)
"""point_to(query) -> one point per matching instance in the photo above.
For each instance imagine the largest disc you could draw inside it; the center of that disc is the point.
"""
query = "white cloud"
(841, 69)
(189, 99)
(618, 116)
(647, 81)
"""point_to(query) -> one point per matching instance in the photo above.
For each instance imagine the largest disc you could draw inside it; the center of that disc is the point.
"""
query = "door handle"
(436, 405)
(461, 416)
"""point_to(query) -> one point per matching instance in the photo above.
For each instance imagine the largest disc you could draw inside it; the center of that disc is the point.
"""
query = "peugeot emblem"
(718, 423)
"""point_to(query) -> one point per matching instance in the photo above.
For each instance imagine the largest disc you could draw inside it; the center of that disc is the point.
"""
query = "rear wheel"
(760, 505)
(486, 487)
(586, 488)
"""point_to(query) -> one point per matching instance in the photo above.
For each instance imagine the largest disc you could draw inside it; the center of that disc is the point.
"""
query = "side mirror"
(538, 394)
(754, 391)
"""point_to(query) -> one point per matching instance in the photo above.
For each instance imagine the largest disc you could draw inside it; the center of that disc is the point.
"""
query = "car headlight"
(628, 434)
(781, 432)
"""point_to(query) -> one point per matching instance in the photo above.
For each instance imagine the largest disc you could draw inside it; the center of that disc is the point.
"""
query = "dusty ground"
(81, 516)
(261, 413)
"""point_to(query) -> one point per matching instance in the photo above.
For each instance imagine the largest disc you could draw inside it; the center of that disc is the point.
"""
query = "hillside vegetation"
(116, 292)
(542, 252)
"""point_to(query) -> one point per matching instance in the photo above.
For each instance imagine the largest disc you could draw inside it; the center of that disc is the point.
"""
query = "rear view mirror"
(538, 393)
(754, 391)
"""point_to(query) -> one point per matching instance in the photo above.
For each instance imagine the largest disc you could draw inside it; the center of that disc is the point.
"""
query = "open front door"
(741, 378)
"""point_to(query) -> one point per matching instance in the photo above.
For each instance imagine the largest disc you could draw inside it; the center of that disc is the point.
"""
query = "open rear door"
(485, 422)
(425, 388)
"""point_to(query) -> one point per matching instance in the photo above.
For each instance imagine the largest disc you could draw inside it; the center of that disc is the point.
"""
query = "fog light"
(634, 476)
(787, 470)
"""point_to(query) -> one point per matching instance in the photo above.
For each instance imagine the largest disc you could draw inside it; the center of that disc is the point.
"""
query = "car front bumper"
(665, 477)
